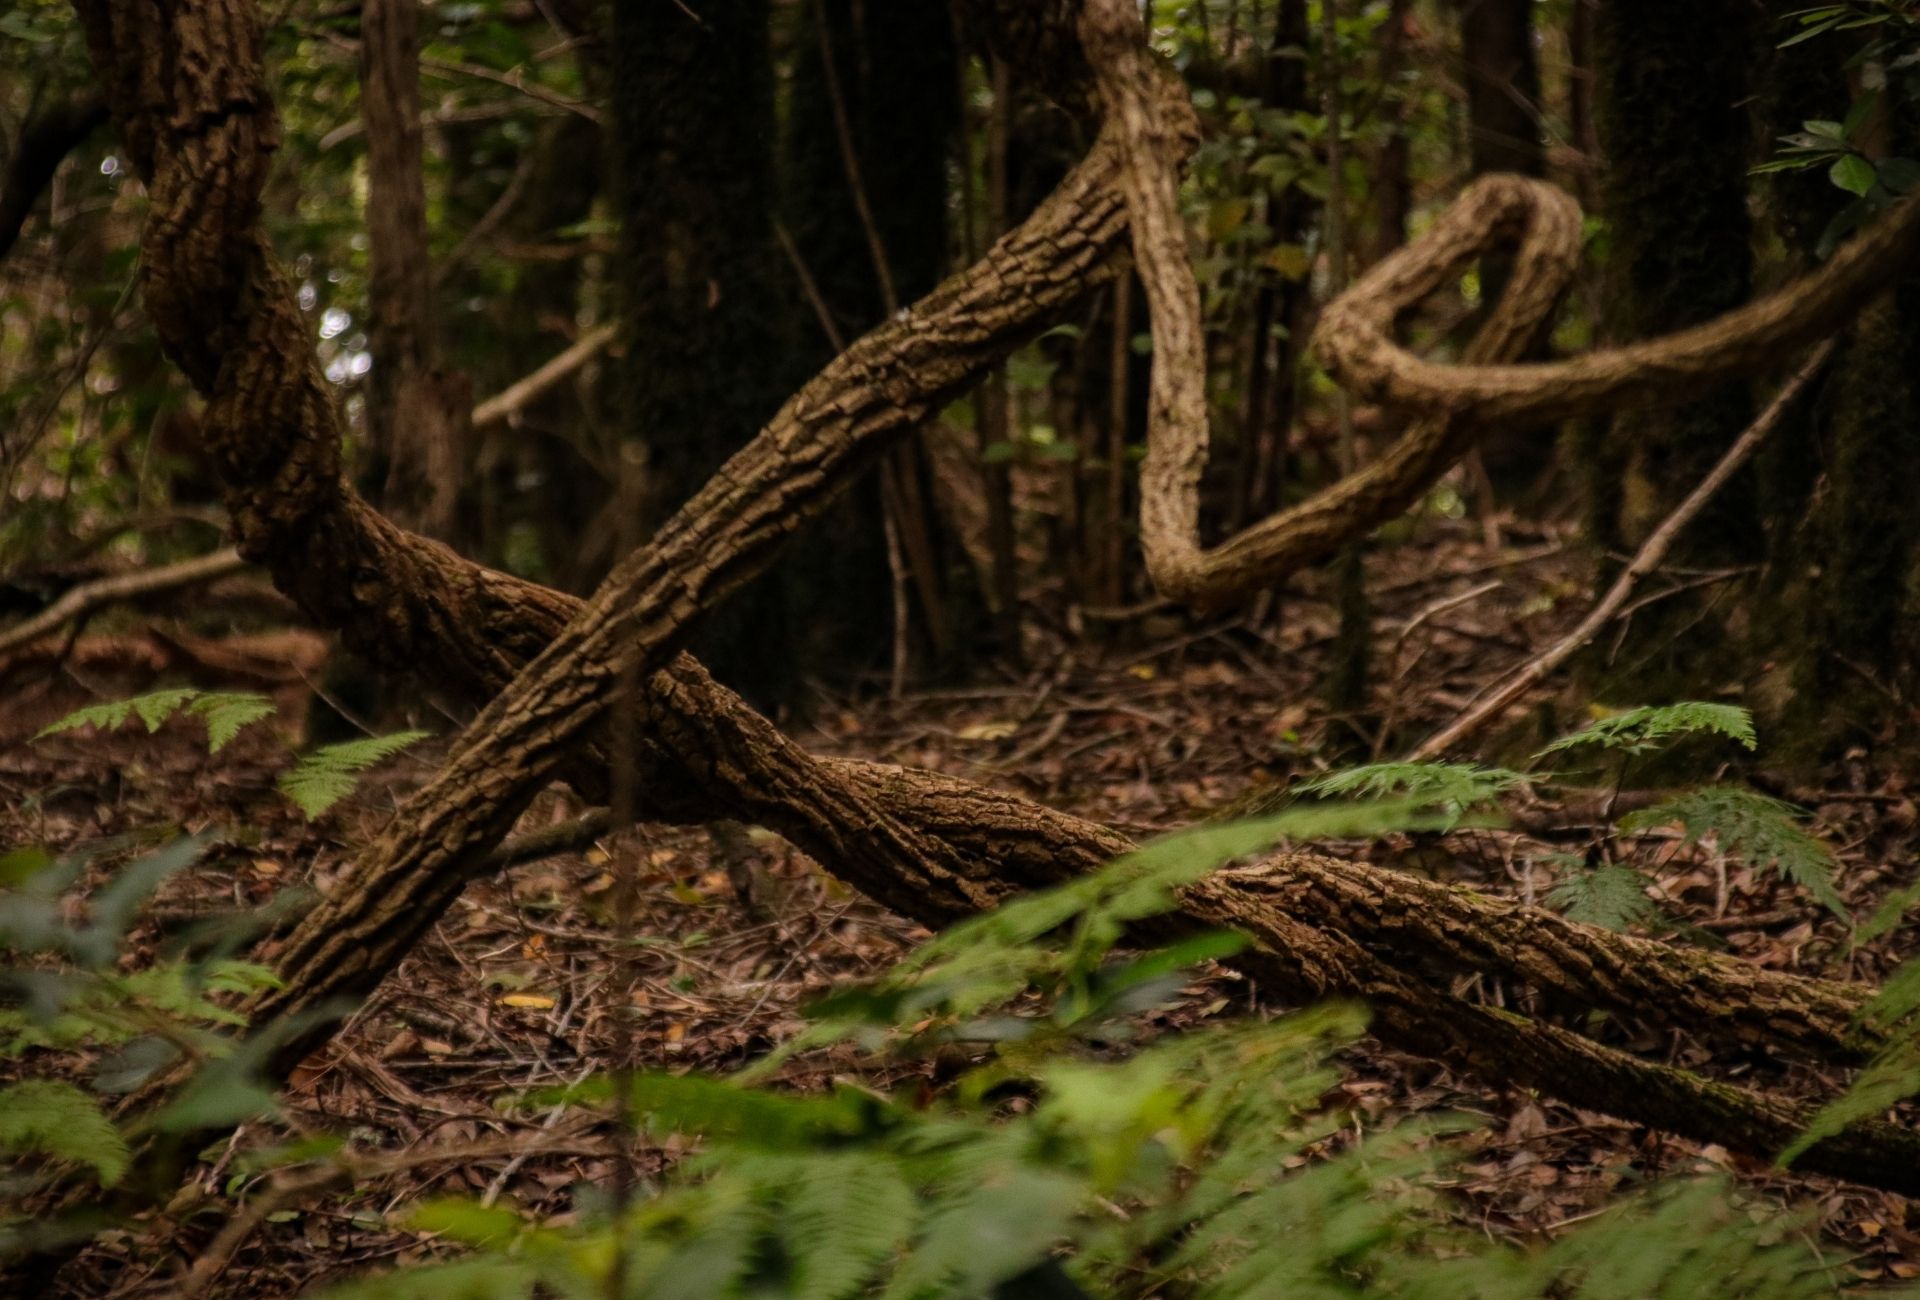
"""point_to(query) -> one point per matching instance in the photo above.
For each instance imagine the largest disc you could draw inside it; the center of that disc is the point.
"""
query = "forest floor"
(517, 987)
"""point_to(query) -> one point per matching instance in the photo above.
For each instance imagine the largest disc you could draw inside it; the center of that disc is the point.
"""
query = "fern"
(987, 960)
(1889, 914)
(327, 775)
(1638, 730)
(47, 1117)
(1453, 787)
(224, 713)
(1612, 897)
(1751, 827)
(845, 1216)
(1890, 1078)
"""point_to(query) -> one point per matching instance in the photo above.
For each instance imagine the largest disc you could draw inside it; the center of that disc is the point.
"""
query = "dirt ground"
(520, 986)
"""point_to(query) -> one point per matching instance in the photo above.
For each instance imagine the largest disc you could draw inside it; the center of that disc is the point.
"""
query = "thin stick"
(85, 599)
(1651, 553)
(512, 399)
(850, 160)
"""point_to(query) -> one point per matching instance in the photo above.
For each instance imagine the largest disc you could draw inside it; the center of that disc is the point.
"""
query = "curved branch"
(80, 601)
(1455, 404)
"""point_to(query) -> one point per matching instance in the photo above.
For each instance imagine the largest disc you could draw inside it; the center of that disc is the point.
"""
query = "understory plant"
(1604, 884)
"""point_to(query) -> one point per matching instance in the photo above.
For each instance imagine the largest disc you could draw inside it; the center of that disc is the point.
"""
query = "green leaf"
(1612, 897)
(1889, 914)
(20, 865)
(1887, 1081)
(1751, 827)
(845, 1216)
(467, 1221)
(326, 776)
(1853, 174)
(114, 907)
(48, 1117)
(1638, 730)
(1452, 787)
(153, 709)
(225, 714)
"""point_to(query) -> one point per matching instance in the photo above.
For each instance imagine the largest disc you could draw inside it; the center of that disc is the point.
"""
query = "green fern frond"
(1898, 999)
(326, 776)
(1612, 897)
(1638, 730)
(52, 1118)
(844, 1216)
(1890, 913)
(1753, 828)
(224, 712)
(1888, 1080)
(1453, 787)
(153, 709)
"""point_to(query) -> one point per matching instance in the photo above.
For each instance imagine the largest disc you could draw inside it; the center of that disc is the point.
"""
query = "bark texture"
(1455, 404)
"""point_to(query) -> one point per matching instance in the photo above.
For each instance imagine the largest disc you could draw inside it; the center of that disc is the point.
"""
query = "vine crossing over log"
(927, 845)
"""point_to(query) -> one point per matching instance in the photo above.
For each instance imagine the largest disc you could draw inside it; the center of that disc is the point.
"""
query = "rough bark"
(928, 845)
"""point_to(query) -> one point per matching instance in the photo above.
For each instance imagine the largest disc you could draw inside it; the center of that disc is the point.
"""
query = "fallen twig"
(1496, 701)
(88, 597)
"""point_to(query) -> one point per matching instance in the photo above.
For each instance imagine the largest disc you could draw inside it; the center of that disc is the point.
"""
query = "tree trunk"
(1671, 86)
(416, 409)
(1504, 135)
(692, 131)
(1846, 596)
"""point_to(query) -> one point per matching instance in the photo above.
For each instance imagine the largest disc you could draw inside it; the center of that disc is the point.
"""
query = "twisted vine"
(1454, 405)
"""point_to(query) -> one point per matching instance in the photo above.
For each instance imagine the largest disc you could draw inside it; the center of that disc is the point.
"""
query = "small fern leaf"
(1452, 787)
(1750, 827)
(1890, 913)
(225, 713)
(1887, 1081)
(1612, 897)
(48, 1117)
(1898, 999)
(1637, 730)
(326, 776)
(153, 709)
(845, 1217)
